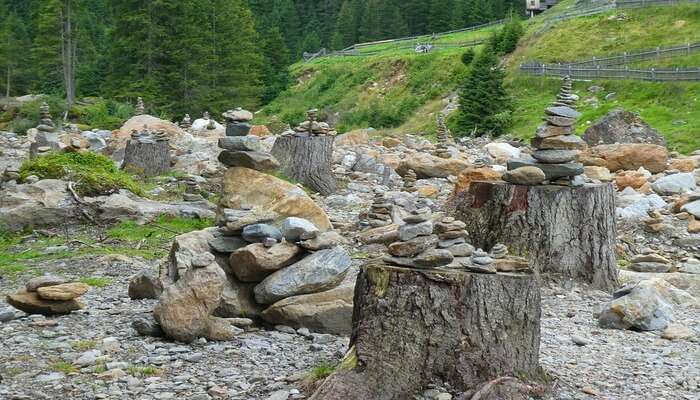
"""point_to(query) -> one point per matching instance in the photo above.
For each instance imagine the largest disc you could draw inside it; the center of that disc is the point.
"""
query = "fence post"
(595, 62)
(597, 71)
(544, 70)
(653, 74)
(688, 48)
(627, 72)
(658, 52)
(625, 57)
(569, 72)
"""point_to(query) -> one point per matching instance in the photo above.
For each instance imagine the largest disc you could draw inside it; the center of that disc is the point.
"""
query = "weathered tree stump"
(415, 327)
(147, 158)
(308, 160)
(565, 232)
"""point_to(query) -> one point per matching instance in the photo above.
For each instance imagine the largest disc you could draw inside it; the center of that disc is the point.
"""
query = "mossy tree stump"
(308, 160)
(415, 327)
(147, 158)
(566, 232)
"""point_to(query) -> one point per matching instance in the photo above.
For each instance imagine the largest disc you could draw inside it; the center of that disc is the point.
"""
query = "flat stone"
(236, 220)
(31, 303)
(566, 112)
(241, 143)
(255, 262)
(555, 156)
(461, 250)
(413, 247)
(255, 160)
(527, 175)
(234, 129)
(238, 114)
(325, 240)
(560, 121)
(433, 258)
(675, 184)
(295, 229)
(257, 233)
(547, 130)
(650, 267)
(551, 171)
(409, 231)
(63, 292)
(227, 244)
(565, 142)
(482, 269)
(45, 280)
(651, 257)
(400, 261)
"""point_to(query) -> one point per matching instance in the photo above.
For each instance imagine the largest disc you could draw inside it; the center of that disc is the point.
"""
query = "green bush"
(93, 174)
(103, 114)
(468, 56)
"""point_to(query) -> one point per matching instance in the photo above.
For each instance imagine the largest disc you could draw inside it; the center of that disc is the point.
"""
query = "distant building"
(535, 7)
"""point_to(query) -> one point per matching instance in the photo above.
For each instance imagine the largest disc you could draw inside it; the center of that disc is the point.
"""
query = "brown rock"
(677, 332)
(548, 130)
(683, 164)
(600, 173)
(243, 186)
(631, 156)
(255, 262)
(383, 234)
(633, 179)
(390, 142)
(565, 142)
(63, 292)
(560, 121)
(693, 225)
(31, 303)
(525, 176)
(353, 138)
(260, 131)
(428, 191)
(429, 166)
(391, 160)
(470, 175)
(589, 161)
(45, 280)
(413, 247)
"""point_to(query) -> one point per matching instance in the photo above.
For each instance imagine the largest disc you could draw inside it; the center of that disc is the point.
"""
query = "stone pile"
(241, 149)
(312, 126)
(140, 107)
(48, 295)
(147, 136)
(417, 245)
(443, 137)
(46, 139)
(453, 237)
(186, 122)
(192, 189)
(556, 145)
(650, 261)
(655, 221)
(566, 98)
(380, 211)
(409, 181)
(481, 261)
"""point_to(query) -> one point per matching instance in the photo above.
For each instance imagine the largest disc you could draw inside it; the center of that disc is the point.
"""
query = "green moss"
(93, 174)
(84, 345)
(63, 366)
(96, 281)
(379, 277)
(146, 371)
(349, 362)
(322, 370)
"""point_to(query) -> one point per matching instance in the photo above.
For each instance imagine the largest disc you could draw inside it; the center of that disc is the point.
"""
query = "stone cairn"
(186, 122)
(241, 149)
(453, 237)
(312, 126)
(409, 181)
(417, 245)
(654, 223)
(380, 211)
(556, 146)
(211, 125)
(46, 139)
(443, 138)
(140, 107)
(192, 189)
(48, 295)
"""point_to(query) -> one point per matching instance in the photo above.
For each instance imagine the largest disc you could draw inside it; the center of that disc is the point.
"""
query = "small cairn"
(443, 137)
(453, 237)
(241, 149)
(48, 295)
(417, 243)
(46, 139)
(74, 147)
(482, 262)
(192, 189)
(499, 251)
(312, 126)
(556, 146)
(186, 122)
(480, 163)
(409, 181)
(211, 125)
(380, 211)
(140, 107)
(654, 223)
(10, 174)
(237, 122)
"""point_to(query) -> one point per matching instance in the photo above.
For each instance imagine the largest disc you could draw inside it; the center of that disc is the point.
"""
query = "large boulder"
(126, 205)
(639, 308)
(244, 186)
(318, 272)
(184, 249)
(324, 312)
(621, 126)
(631, 156)
(682, 288)
(185, 309)
(136, 123)
(429, 166)
(352, 138)
(674, 184)
(44, 203)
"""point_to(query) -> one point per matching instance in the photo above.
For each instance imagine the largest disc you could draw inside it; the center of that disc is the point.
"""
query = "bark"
(567, 233)
(9, 74)
(69, 52)
(147, 159)
(308, 160)
(415, 327)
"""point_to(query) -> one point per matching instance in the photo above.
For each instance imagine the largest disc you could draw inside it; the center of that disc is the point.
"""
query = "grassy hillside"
(397, 91)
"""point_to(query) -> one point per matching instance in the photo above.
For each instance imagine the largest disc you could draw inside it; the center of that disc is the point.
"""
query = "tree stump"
(565, 232)
(415, 327)
(147, 158)
(308, 160)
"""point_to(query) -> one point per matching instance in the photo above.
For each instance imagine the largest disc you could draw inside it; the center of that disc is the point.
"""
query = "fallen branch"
(80, 202)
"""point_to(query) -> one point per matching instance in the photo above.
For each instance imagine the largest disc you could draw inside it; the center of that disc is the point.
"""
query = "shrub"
(93, 174)
(468, 57)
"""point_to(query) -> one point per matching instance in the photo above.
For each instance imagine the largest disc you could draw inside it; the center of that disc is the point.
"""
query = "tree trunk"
(415, 327)
(308, 160)
(565, 232)
(9, 74)
(147, 158)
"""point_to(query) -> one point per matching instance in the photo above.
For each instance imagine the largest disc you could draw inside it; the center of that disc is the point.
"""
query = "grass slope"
(397, 91)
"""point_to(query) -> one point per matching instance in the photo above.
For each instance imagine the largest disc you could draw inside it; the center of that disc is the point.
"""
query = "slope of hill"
(398, 91)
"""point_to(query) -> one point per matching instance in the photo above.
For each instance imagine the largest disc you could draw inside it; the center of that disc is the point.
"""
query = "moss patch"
(379, 278)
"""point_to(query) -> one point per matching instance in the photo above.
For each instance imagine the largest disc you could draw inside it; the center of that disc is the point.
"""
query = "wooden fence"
(599, 72)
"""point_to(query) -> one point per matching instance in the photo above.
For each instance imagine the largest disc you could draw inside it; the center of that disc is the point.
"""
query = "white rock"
(675, 184)
(502, 150)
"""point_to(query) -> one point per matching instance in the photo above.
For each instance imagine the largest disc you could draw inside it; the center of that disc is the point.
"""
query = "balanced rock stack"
(566, 98)
(453, 237)
(380, 211)
(417, 245)
(192, 189)
(48, 295)
(186, 122)
(45, 140)
(241, 149)
(655, 221)
(312, 126)
(556, 146)
(409, 181)
(443, 138)
(140, 108)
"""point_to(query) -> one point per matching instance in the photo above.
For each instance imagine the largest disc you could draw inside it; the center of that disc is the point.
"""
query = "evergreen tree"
(346, 31)
(13, 55)
(47, 47)
(440, 16)
(484, 104)
(277, 58)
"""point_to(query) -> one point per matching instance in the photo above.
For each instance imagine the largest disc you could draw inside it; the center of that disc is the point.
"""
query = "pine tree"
(277, 58)
(47, 47)
(13, 55)
(440, 16)
(484, 104)
(346, 27)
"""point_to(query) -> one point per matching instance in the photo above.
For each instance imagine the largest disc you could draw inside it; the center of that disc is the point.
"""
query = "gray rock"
(433, 258)
(692, 266)
(325, 240)
(318, 272)
(674, 184)
(238, 300)
(461, 250)
(87, 358)
(43, 281)
(410, 231)
(6, 315)
(256, 160)
(413, 247)
(255, 262)
(145, 285)
(295, 229)
(638, 308)
(528, 175)
(555, 156)
(578, 340)
(147, 327)
(621, 126)
(227, 244)
(551, 171)
(241, 143)
(203, 260)
(237, 129)
(257, 233)
(639, 207)
(562, 111)
(692, 208)
(650, 267)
